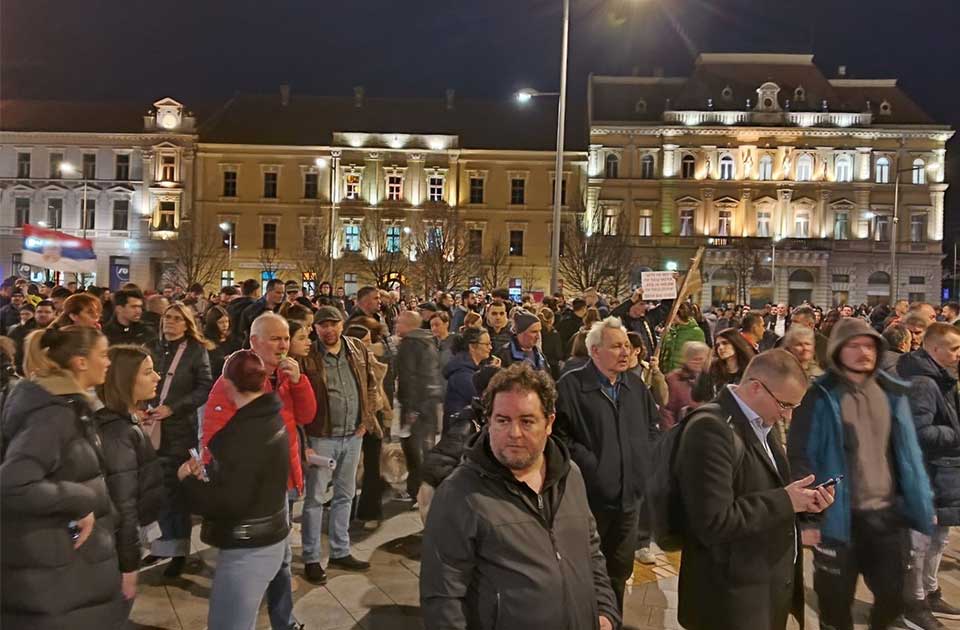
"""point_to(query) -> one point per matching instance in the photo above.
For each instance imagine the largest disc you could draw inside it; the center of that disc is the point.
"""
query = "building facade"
(109, 173)
(797, 185)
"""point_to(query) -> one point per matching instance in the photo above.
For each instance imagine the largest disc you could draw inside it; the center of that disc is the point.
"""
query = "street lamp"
(932, 168)
(228, 228)
(773, 266)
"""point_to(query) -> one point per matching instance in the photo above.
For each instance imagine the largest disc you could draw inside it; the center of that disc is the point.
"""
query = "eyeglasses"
(783, 406)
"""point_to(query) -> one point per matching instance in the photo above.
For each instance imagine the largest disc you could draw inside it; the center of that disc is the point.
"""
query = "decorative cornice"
(940, 134)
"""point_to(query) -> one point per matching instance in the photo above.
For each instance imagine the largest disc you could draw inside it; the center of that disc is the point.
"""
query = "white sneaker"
(645, 556)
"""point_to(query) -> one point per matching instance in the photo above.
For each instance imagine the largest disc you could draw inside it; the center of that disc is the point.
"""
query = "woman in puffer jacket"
(58, 564)
(133, 471)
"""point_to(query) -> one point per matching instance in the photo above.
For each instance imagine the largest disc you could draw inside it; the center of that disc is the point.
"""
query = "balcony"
(794, 244)
(792, 119)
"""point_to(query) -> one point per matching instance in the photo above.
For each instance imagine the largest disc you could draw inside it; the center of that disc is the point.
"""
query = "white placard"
(658, 285)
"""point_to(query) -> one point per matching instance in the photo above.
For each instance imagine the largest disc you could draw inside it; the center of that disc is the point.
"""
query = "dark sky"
(202, 50)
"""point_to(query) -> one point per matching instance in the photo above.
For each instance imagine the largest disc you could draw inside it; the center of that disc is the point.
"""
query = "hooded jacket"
(498, 555)
(817, 440)
(50, 476)
(933, 401)
(459, 375)
(678, 336)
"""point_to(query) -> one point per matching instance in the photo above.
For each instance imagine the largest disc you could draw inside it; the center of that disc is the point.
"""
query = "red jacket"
(299, 407)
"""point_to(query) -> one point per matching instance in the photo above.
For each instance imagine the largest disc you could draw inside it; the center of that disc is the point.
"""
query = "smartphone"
(829, 483)
(74, 528)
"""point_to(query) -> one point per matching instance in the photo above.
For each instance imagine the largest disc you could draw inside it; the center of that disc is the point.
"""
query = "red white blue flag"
(57, 251)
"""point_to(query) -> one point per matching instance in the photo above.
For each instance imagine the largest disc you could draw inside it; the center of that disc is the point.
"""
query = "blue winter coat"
(459, 373)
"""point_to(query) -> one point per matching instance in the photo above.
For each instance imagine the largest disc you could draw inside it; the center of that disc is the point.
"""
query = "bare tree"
(200, 256)
(313, 255)
(441, 248)
(596, 255)
(744, 262)
(270, 261)
(383, 256)
(496, 267)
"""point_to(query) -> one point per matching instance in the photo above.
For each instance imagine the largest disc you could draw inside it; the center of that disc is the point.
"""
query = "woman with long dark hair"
(216, 330)
(728, 360)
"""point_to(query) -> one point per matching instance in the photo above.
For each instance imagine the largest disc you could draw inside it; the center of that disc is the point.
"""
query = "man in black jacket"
(933, 400)
(741, 565)
(570, 322)
(249, 293)
(607, 418)
(636, 317)
(271, 301)
(125, 325)
(510, 541)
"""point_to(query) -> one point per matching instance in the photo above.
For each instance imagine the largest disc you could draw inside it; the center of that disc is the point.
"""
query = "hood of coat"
(261, 409)
(920, 363)
(29, 396)
(461, 362)
(845, 330)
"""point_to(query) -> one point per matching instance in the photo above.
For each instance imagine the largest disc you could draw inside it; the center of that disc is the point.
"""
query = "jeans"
(618, 541)
(280, 589)
(239, 583)
(174, 541)
(346, 452)
(926, 552)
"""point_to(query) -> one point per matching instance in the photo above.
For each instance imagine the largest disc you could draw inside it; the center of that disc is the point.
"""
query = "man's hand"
(605, 624)
(806, 499)
(637, 295)
(291, 368)
(654, 364)
(128, 584)
(191, 467)
(85, 527)
(361, 431)
(810, 537)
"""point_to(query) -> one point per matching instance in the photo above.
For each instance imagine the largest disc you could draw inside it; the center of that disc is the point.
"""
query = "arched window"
(883, 170)
(612, 166)
(766, 168)
(801, 275)
(688, 167)
(647, 167)
(724, 276)
(919, 171)
(844, 168)
(726, 167)
(879, 277)
(805, 168)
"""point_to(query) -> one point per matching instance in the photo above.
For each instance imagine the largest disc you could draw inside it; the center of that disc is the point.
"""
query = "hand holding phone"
(832, 481)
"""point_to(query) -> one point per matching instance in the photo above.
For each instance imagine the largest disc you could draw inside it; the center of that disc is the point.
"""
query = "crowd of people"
(533, 431)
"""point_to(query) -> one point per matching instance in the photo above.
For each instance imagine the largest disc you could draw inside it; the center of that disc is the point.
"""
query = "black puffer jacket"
(134, 479)
(440, 461)
(933, 401)
(498, 555)
(50, 476)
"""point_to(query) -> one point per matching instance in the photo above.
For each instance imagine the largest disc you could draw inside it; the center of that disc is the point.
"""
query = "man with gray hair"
(607, 418)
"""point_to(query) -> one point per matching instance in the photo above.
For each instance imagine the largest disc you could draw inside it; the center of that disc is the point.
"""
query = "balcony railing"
(797, 244)
(797, 119)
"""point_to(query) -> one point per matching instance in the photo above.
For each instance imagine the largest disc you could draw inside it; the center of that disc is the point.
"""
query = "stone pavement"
(387, 598)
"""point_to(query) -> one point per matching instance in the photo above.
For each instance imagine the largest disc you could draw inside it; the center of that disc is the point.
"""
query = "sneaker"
(645, 556)
(296, 625)
(314, 573)
(940, 608)
(151, 560)
(349, 563)
(403, 495)
(918, 616)
(371, 525)
(175, 568)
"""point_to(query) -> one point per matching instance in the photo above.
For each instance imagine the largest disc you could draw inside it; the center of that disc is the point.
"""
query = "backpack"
(667, 518)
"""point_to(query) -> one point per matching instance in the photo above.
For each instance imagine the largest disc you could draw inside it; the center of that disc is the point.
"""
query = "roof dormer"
(768, 97)
(167, 115)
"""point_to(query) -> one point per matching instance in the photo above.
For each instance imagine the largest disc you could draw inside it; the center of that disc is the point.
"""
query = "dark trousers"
(421, 440)
(877, 550)
(643, 524)
(370, 504)
(618, 541)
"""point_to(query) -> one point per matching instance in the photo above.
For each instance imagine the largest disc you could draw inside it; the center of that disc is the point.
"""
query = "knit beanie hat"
(523, 320)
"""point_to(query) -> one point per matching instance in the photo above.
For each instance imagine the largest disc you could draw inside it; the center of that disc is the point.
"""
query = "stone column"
(372, 179)
(782, 214)
(859, 224)
(415, 178)
(819, 223)
(146, 208)
(706, 219)
(595, 165)
(186, 178)
(745, 214)
(864, 160)
(711, 168)
(935, 220)
(670, 166)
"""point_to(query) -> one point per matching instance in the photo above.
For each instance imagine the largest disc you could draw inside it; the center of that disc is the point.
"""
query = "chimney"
(842, 71)
(451, 94)
(658, 72)
(358, 96)
(284, 94)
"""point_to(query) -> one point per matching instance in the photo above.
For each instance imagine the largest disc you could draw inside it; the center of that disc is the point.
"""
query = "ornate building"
(787, 177)
(117, 174)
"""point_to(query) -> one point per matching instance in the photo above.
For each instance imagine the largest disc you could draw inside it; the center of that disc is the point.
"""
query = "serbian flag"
(57, 251)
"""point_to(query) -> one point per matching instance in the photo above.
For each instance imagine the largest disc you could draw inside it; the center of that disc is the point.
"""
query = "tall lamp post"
(228, 228)
(932, 168)
(69, 169)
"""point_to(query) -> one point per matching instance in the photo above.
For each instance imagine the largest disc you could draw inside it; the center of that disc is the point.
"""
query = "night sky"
(205, 50)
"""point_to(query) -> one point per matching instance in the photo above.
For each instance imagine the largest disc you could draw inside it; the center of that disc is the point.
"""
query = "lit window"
(394, 187)
(435, 189)
(352, 182)
(881, 228)
(21, 211)
(351, 238)
(518, 191)
(918, 228)
(763, 224)
(688, 167)
(725, 221)
(23, 165)
(55, 213)
(269, 185)
(646, 224)
(766, 168)
(844, 168)
(802, 225)
(609, 226)
(612, 166)
(805, 168)
(168, 213)
(919, 172)
(647, 167)
(883, 170)
(227, 278)
(726, 167)
(841, 225)
(393, 239)
(516, 242)
(168, 168)
(686, 222)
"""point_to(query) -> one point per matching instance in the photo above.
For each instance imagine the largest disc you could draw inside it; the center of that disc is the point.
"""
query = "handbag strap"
(171, 370)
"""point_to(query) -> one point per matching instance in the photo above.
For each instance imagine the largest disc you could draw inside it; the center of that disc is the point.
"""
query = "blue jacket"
(816, 446)
(460, 390)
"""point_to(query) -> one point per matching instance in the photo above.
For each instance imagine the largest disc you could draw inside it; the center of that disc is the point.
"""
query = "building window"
(917, 280)
(122, 167)
(725, 221)
(841, 226)
(646, 225)
(56, 166)
(352, 182)
(393, 239)
(435, 237)
(801, 224)
(269, 236)
(88, 217)
(647, 167)
(55, 213)
(89, 165)
(229, 183)
(688, 167)
(844, 168)
(883, 170)
(840, 278)
(516, 242)
(311, 184)
(919, 172)
(121, 214)
(563, 191)
(608, 226)
(269, 185)
(881, 228)
(476, 190)
(612, 166)
(351, 238)
(518, 191)
(686, 222)
(311, 236)
(168, 168)
(766, 168)
(435, 189)
(168, 212)
(21, 211)
(918, 228)
(805, 168)
(475, 242)
(394, 187)
(226, 278)
(351, 283)
(23, 165)
(726, 167)
(763, 224)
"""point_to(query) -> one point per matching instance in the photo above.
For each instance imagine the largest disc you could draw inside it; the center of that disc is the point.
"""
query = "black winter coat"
(137, 333)
(610, 441)
(255, 310)
(498, 555)
(933, 401)
(440, 461)
(134, 479)
(235, 310)
(741, 567)
(552, 346)
(50, 476)
(419, 386)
